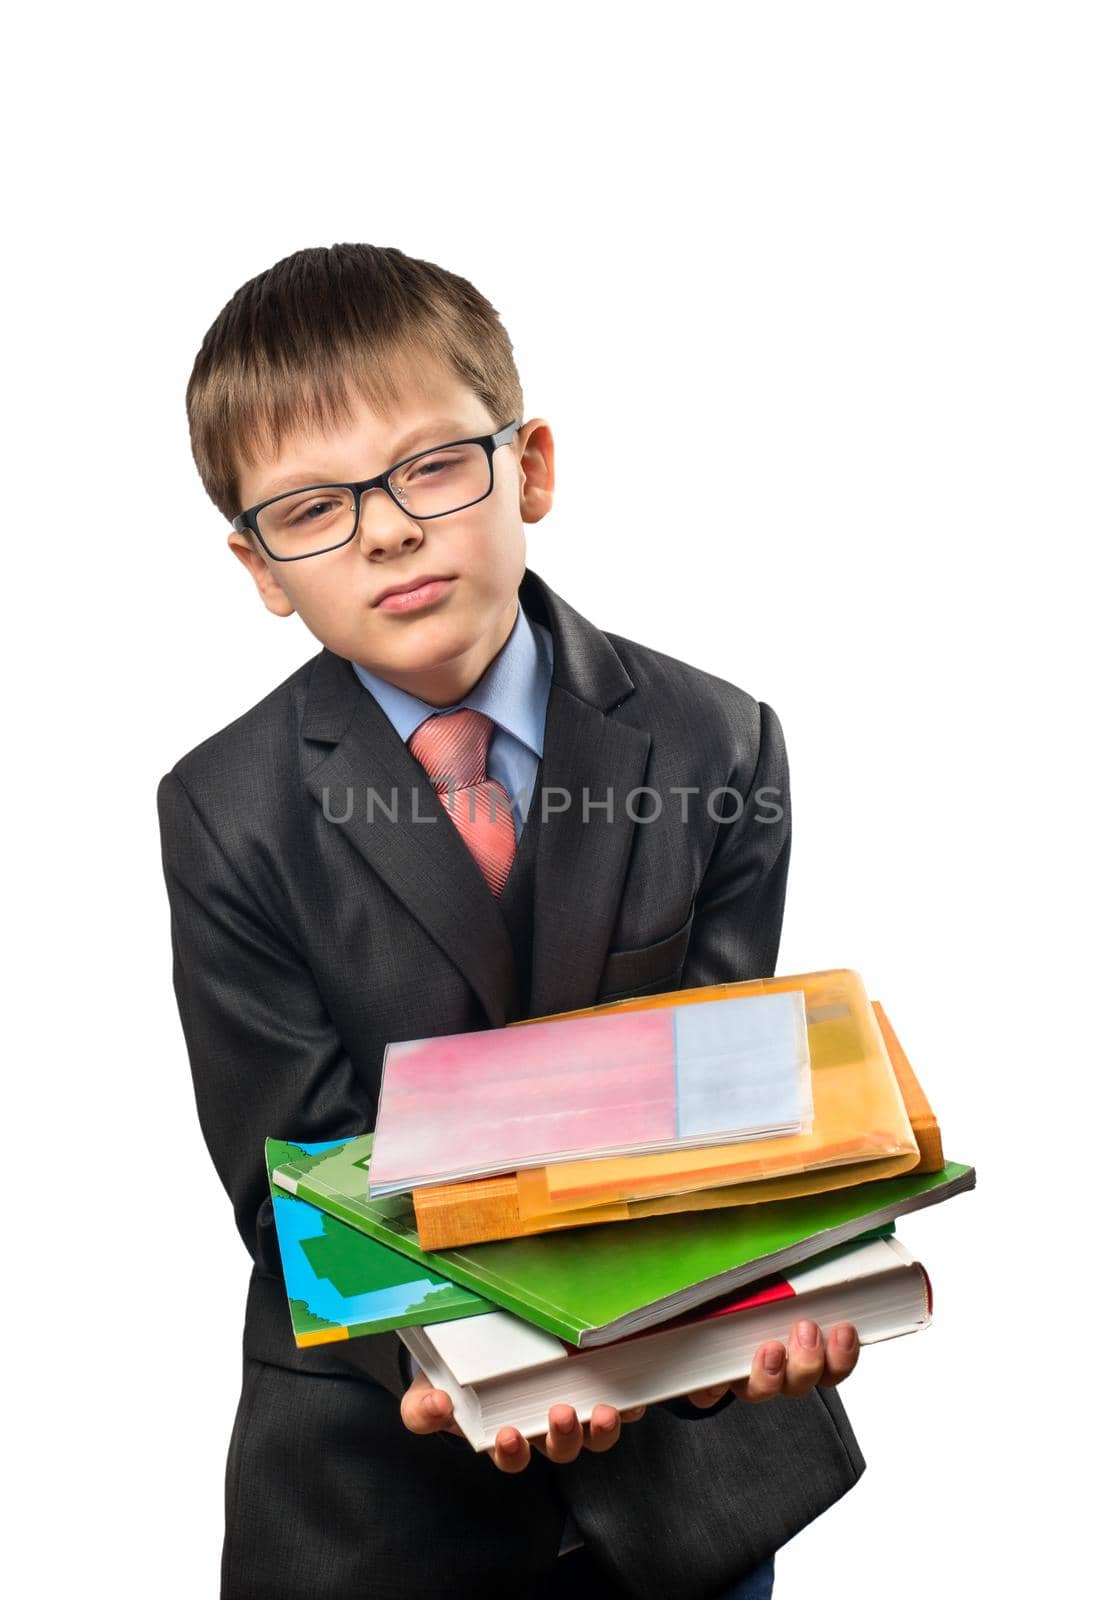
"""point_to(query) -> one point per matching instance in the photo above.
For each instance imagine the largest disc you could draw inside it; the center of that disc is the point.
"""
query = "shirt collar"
(513, 690)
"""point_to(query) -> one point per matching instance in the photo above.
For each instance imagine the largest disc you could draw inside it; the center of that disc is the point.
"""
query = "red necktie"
(452, 748)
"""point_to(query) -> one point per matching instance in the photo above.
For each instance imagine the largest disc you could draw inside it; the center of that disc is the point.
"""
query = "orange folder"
(871, 1121)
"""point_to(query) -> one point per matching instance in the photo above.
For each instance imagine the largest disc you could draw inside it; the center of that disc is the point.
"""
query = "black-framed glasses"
(323, 516)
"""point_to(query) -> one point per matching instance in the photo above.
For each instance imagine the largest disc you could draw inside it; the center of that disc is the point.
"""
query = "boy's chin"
(423, 649)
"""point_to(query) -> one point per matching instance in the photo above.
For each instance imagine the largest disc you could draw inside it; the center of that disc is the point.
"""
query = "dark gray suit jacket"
(304, 943)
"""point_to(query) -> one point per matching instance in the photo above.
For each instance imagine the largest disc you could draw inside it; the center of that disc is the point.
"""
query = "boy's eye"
(324, 515)
(312, 510)
(308, 509)
(428, 467)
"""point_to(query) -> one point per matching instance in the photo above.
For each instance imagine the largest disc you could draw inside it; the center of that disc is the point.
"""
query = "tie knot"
(452, 747)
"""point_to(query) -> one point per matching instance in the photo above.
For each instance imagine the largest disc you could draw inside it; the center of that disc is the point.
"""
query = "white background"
(807, 292)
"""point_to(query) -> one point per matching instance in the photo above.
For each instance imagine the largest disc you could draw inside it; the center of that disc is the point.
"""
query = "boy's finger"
(843, 1349)
(603, 1430)
(806, 1357)
(634, 1414)
(703, 1398)
(426, 1410)
(565, 1437)
(767, 1374)
(510, 1452)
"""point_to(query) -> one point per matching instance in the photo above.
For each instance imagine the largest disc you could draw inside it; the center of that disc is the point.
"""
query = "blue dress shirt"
(513, 691)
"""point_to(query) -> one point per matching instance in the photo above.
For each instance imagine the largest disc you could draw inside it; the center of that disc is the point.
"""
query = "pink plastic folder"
(500, 1100)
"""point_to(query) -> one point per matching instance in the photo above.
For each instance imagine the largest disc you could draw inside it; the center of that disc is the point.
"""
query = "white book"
(500, 1371)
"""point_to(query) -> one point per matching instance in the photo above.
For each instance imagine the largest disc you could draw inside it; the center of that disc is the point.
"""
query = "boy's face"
(437, 651)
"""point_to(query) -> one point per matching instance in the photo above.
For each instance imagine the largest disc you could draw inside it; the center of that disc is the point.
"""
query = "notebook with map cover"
(340, 1283)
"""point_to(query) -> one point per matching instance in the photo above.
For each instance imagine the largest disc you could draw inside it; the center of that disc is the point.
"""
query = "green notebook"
(592, 1285)
(341, 1283)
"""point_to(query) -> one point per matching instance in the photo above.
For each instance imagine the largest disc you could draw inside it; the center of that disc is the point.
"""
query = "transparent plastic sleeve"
(860, 1119)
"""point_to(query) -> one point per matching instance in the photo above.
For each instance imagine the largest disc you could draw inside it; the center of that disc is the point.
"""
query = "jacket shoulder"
(689, 698)
(245, 762)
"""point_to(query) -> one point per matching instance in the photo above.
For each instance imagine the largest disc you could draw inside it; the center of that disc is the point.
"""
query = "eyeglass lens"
(428, 486)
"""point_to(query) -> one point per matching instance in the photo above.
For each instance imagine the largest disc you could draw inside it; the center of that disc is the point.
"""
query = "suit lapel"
(389, 810)
(580, 867)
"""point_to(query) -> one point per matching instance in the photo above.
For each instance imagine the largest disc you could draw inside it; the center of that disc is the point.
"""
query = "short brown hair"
(283, 352)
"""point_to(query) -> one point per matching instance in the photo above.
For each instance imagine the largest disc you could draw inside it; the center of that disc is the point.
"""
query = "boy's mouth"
(417, 592)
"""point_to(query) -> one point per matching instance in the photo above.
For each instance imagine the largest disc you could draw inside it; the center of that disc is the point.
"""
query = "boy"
(334, 884)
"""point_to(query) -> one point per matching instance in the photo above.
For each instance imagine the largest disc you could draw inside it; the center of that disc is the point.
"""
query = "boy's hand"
(810, 1362)
(425, 1409)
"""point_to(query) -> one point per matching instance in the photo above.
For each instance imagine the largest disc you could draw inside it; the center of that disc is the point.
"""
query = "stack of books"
(620, 1204)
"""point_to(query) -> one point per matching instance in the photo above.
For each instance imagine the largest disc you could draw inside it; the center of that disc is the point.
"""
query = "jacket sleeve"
(265, 1057)
(736, 929)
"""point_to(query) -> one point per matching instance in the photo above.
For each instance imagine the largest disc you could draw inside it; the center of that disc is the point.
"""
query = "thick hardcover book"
(498, 1370)
(492, 1208)
(497, 1099)
(592, 1285)
(340, 1283)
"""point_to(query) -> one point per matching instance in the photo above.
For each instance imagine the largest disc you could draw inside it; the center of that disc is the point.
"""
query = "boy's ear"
(536, 469)
(270, 590)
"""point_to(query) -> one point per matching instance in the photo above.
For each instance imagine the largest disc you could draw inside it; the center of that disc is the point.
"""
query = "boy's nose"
(382, 525)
